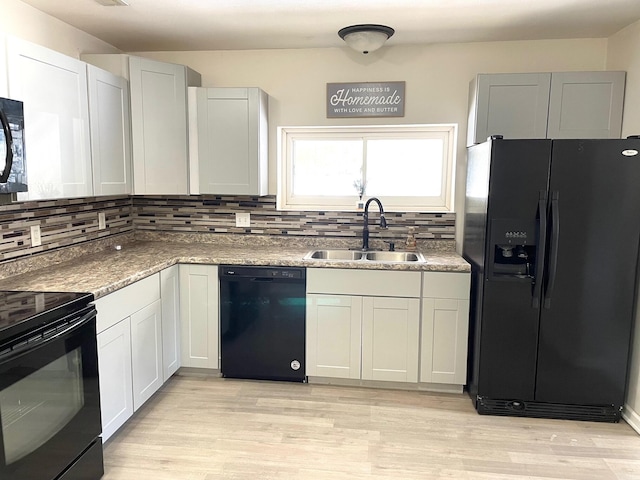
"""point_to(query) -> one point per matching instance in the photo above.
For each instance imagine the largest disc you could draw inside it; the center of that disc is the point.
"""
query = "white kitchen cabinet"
(114, 370)
(363, 324)
(333, 336)
(159, 131)
(229, 141)
(146, 352)
(159, 126)
(170, 296)
(4, 88)
(110, 132)
(53, 88)
(199, 312)
(390, 339)
(127, 337)
(586, 105)
(546, 105)
(512, 105)
(445, 327)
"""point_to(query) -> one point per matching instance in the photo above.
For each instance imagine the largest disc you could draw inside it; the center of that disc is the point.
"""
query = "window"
(410, 168)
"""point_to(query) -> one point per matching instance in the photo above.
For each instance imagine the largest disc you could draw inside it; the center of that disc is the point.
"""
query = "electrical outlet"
(102, 221)
(243, 219)
(36, 240)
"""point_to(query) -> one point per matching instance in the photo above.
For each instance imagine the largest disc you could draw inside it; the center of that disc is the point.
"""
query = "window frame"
(444, 203)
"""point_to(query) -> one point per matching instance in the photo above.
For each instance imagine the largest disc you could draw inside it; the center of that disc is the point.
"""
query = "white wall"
(437, 78)
(623, 54)
(24, 21)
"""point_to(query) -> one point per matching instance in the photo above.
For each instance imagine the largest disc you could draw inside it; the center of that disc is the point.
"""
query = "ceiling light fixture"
(366, 38)
(113, 3)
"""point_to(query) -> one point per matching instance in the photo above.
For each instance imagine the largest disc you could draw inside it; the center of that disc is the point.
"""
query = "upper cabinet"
(110, 132)
(546, 105)
(158, 92)
(586, 105)
(228, 141)
(53, 88)
(159, 127)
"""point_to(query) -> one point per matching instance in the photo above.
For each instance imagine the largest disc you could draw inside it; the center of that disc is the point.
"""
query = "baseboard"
(631, 417)
(423, 387)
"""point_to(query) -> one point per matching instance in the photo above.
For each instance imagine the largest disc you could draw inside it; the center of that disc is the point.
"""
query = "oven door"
(49, 400)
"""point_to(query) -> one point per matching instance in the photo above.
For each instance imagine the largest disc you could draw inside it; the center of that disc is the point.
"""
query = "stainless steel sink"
(394, 257)
(371, 256)
(334, 255)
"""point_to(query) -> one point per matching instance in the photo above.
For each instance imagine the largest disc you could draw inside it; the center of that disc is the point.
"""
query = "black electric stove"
(49, 388)
(21, 312)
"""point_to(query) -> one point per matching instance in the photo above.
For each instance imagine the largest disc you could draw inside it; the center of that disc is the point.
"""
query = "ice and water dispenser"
(513, 249)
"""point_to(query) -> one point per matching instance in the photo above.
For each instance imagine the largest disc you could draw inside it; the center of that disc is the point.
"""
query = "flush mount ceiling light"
(366, 38)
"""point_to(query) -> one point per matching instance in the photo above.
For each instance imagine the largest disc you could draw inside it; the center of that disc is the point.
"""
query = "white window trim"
(286, 135)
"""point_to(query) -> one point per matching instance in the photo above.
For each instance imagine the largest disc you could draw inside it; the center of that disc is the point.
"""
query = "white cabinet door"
(114, 370)
(199, 316)
(4, 89)
(170, 294)
(586, 105)
(53, 88)
(390, 339)
(512, 105)
(146, 352)
(110, 132)
(445, 326)
(333, 336)
(158, 126)
(230, 154)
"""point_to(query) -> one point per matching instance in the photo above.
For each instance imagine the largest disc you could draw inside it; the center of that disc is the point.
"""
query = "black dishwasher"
(262, 322)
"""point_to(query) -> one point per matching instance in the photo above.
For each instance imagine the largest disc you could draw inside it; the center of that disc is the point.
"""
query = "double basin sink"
(358, 255)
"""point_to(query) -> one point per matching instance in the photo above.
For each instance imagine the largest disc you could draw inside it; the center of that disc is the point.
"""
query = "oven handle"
(41, 341)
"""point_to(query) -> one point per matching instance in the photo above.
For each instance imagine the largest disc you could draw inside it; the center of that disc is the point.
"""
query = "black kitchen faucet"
(365, 229)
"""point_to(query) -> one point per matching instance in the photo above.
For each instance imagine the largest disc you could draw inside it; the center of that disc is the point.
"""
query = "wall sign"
(381, 99)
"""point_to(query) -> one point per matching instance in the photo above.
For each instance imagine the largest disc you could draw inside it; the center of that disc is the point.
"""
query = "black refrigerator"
(552, 229)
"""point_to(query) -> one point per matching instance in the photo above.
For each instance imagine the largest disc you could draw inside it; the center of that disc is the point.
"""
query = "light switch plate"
(36, 240)
(102, 221)
(243, 219)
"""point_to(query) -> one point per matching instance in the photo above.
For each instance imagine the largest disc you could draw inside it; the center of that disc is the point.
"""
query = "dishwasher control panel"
(262, 272)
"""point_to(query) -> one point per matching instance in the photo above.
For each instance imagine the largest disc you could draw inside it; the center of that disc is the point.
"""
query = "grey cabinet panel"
(511, 105)
(586, 105)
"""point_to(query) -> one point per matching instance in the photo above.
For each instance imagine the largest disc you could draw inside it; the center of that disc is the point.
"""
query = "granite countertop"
(108, 270)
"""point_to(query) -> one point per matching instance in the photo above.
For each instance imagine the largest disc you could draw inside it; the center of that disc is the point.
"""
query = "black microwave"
(13, 167)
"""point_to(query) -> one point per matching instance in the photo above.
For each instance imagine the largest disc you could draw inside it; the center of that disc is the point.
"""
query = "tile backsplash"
(69, 222)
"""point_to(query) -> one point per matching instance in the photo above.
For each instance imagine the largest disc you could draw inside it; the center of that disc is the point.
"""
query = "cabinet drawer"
(446, 285)
(375, 283)
(122, 303)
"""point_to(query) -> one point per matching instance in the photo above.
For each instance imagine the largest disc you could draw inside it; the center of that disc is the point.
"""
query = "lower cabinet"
(390, 339)
(146, 352)
(114, 370)
(170, 296)
(129, 326)
(366, 325)
(199, 310)
(445, 327)
(334, 326)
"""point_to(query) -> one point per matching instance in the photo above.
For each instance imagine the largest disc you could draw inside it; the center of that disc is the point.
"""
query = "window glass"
(408, 167)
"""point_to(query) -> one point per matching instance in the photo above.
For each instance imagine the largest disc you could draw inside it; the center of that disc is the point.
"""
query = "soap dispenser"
(410, 244)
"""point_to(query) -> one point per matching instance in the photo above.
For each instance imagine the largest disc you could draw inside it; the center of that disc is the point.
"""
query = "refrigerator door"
(585, 322)
(508, 324)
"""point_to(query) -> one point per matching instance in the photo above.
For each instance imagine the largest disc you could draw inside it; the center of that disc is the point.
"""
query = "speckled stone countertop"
(108, 270)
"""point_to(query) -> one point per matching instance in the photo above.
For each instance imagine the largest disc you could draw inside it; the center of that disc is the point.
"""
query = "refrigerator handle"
(541, 250)
(553, 248)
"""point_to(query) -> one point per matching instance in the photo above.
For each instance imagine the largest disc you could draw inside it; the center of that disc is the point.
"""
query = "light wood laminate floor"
(207, 428)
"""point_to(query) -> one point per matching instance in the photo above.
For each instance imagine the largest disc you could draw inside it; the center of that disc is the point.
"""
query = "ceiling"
(182, 25)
